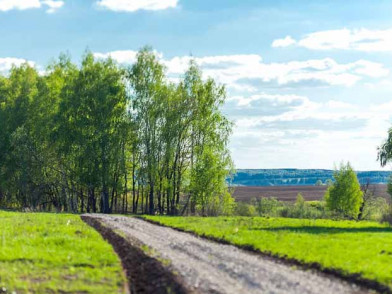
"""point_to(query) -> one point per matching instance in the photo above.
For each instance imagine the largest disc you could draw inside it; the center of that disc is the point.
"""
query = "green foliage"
(300, 201)
(99, 137)
(389, 186)
(304, 211)
(387, 216)
(345, 196)
(385, 150)
(267, 206)
(360, 248)
(373, 209)
(319, 183)
(183, 139)
(48, 253)
(329, 182)
(272, 207)
(245, 209)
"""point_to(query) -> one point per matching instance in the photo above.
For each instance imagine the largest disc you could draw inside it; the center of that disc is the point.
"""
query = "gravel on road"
(208, 267)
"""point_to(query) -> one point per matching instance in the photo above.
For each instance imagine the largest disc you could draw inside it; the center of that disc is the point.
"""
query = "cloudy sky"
(309, 82)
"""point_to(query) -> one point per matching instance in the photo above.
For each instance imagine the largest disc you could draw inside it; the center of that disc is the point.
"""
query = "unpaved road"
(208, 267)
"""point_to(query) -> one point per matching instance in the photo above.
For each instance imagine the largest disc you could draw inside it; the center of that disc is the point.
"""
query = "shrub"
(268, 206)
(389, 186)
(319, 183)
(245, 209)
(387, 216)
(300, 201)
(375, 208)
(303, 210)
(345, 196)
(223, 204)
(320, 205)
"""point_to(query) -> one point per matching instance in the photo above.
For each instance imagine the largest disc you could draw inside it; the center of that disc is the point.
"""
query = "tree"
(385, 150)
(319, 183)
(345, 196)
(88, 137)
(328, 182)
(389, 186)
(92, 114)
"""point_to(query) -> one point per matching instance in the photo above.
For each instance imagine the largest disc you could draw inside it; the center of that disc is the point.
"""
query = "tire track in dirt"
(162, 260)
(144, 273)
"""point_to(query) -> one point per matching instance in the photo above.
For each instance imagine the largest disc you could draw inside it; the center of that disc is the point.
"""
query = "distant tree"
(345, 195)
(389, 186)
(300, 201)
(329, 182)
(319, 183)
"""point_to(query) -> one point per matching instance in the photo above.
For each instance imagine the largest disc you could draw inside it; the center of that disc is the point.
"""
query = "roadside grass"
(55, 253)
(363, 248)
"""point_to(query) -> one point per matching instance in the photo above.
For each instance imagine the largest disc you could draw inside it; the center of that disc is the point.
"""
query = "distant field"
(297, 177)
(289, 193)
(349, 247)
(55, 253)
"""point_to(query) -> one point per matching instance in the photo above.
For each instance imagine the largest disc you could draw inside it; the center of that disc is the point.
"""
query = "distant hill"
(299, 177)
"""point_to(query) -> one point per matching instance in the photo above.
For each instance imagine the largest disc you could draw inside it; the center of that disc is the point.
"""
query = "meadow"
(361, 249)
(55, 253)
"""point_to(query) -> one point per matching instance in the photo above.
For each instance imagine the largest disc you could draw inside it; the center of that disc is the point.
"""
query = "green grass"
(55, 253)
(363, 248)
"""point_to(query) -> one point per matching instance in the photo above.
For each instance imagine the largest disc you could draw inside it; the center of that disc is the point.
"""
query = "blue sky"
(309, 82)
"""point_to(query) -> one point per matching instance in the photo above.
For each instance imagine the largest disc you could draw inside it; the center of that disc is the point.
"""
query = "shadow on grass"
(325, 230)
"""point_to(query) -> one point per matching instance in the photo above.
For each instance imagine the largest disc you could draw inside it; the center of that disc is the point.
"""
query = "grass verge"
(55, 253)
(354, 249)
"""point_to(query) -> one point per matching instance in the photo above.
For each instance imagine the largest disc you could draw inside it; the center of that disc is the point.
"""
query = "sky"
(309, 83)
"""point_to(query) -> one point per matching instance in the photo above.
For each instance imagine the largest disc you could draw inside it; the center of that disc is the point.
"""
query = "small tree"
(300, 201)
(345, 195)
(319, 183)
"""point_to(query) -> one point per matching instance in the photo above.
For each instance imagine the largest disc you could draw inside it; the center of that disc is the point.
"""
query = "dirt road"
(203, 266)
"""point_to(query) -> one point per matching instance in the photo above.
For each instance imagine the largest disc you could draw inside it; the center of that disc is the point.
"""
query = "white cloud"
(364, 40)
(124, 56)
(274, 99)
(7, 5)
(134, 5)
(7, 63)
(53, 6)
(300, 129)
(307, 134)
(249, 72)
(287, 41)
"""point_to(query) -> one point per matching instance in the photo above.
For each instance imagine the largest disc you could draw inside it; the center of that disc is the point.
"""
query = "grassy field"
(363, 248)
(55, 253)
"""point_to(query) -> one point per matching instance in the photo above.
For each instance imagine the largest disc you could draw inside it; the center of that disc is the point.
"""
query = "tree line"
(98, 137)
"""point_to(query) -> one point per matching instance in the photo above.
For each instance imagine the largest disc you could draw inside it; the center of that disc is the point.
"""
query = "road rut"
(208, 267)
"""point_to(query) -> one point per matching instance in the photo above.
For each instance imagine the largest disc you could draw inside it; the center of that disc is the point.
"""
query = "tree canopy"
(101, 137)
(345, 196)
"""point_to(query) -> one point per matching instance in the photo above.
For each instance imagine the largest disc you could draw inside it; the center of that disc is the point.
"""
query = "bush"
(320, 205)
(300, 201)
(268, 206)
(304, 210)
(389, 186)
(375, 208)
(244, 209)
(387, 216)
(345, 196)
